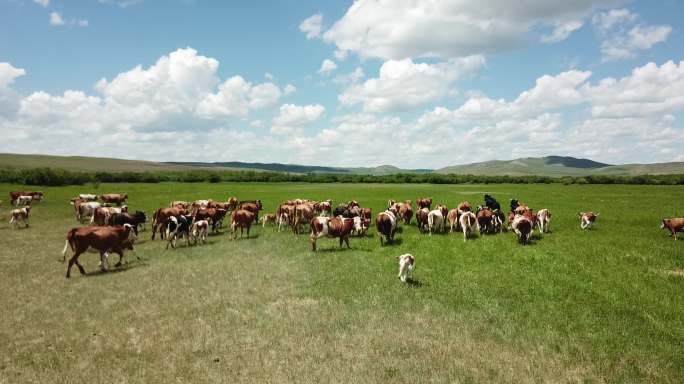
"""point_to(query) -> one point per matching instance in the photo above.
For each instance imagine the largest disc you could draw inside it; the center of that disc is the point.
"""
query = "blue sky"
(426, 84)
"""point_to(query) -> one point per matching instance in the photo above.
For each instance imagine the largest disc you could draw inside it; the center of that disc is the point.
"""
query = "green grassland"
(604, 305)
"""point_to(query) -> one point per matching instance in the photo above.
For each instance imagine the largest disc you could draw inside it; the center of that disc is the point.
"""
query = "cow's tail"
(69, 242)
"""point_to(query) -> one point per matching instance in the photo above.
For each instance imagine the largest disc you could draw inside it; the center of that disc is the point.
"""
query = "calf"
(422, 219)
(20, 214)
(673, 225)
(587, 219)
(177, 227)
(333, 227)
(198, 231)
(386, 224)
(102, 239)
(544, 220)
(242, 219)
(268, 218)
(468, 221)
(406, 265)
(522, 227)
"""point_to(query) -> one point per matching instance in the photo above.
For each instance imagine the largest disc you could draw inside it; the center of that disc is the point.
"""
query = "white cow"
(20, 214)
(199, 231)
(87, 197)
(23, 200)
(86, 210)
(543, 220)
(468, 221)
(435, 221)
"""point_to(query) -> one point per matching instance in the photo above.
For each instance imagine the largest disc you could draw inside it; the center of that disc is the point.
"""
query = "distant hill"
(558, 166)
(554, 166)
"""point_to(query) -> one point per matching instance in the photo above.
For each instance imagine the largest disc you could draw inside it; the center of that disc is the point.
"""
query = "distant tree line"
(56, 177)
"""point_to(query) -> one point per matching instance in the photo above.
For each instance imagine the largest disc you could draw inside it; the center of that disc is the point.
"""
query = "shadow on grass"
(113, 270)
(395, 242)
(413, 283)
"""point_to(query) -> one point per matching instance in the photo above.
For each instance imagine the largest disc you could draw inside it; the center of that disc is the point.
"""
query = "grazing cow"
(37, 196)
(180, 204)
(425, 202)
(268, 218)
(87, 197)
(386, 224)
(485, 220)
(436, 219)
(673, 225)
(242, 219)
(114, 198)
(102, 239)
(253, 206)
(522, 227)
(422, 219)
(587, 219)
(23, 200)
(161, 217)
(177, 227)
(544, 220)
(330, 226)
(468, 221)
(405, 212)
(361, 225)
(406, 265)
(20, 214)
(138, 218)
(198, 232)
(303, 214)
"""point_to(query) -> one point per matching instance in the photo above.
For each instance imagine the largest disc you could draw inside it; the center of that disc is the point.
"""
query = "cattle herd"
(114, 228)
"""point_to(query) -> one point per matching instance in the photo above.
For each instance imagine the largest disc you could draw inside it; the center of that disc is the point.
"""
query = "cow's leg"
(248, 227)
(103, 261)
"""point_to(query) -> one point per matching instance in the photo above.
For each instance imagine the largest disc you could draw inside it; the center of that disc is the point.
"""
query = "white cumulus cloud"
(312, 26)
(327, 66)
(293, 117)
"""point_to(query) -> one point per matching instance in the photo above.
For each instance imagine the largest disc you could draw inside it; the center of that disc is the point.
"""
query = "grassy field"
(604, 305)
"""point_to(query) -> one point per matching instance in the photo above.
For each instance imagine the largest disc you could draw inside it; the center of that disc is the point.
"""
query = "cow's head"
(664, 224)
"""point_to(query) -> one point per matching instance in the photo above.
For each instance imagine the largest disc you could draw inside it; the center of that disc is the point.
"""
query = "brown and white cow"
(544, 221)
(241, 218)
(361, 225)
(425, 202)
(180, 204)
(674, 225)
(88, 197)
(285, 214)
(103, 215)
(587, 219)
(86, 210)
(213, 215)
(199, 231)
(35, 195)
(20, 214)
(23, 200)
(386, 224)
(340, 227)
(268, 218)
(253, 206)
(161, 217)
(303, 214)
(405, 212)
(407, 263)
(452, 219)
(325, 208)
(102, 239)
(114, 198)
(422, 219)
(522, 227)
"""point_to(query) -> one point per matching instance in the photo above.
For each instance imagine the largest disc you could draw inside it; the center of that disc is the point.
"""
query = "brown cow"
(114, 198)
(212, 215)
(422, 219)
(102, 239)
(179, 204)
(253, 206)
(452, 218)
(242, 219)
(405, 212)
(325, 207)
(673, 225)
(425, 202)
(485, 219)
(333, 227)
(463, 206)
(366, 213)
(103, 215)
(35, 195)
(161, 217)
(386, 224)
(285, 215)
